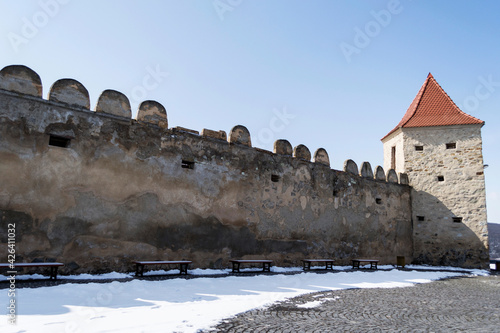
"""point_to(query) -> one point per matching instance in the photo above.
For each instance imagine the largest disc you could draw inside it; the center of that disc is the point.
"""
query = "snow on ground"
(182, 305)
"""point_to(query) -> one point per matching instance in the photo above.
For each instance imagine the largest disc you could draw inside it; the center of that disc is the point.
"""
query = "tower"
(439, 147)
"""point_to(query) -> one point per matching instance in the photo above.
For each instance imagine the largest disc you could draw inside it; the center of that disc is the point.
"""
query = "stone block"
(71, 92)
(366, 170)
(351, 167)
(321, 156)
(115, 103)
(380, 173)
(239, 134)
(220, 135)
(403, 179)
(392, 176)
(21, 79)
(283, 147)
(302, 152)
(152, 112)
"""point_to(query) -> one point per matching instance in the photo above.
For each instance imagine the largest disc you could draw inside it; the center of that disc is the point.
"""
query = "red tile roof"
(433, 107)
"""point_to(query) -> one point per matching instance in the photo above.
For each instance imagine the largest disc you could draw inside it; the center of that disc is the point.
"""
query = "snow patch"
(183, 305)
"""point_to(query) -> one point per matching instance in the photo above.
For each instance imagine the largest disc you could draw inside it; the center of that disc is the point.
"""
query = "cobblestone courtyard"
(467, 304)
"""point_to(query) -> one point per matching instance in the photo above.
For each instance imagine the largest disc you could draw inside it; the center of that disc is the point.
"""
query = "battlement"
(26, 83)
(98, 189)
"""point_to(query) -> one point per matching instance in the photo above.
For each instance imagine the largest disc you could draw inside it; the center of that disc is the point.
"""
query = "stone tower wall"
(97, 189)
(448, 184)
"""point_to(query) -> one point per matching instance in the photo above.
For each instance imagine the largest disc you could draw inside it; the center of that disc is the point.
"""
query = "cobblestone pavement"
(466, 304)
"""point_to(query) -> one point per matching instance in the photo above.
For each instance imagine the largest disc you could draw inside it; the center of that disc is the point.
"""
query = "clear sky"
(336, 74)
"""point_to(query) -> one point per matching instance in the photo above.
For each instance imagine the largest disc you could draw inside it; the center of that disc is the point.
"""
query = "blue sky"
(324, 73)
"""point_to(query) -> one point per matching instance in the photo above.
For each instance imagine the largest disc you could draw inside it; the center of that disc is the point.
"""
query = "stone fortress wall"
(97, 189)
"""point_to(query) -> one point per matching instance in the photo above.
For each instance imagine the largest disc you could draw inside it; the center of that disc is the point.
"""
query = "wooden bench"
(356, 262)
(183, 265)
(266, 264)
(496, 262)
(53, 267)
(307, 263)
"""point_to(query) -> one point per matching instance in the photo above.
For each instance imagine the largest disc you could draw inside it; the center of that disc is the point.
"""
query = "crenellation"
(154, 113)
(219, 135)
(283, 147)
(111, 102)
(115, 103)
(71, 92)
(380, 173)
(321, 156)
(403, 179)
(366, 170)
(302, 152)
(239, 134)
(351, 167)
(21, 79)
(392, 176)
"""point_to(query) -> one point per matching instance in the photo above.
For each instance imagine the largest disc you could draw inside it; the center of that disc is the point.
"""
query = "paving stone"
(466, 304)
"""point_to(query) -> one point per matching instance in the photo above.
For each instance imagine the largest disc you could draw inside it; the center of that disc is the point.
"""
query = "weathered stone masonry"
(97, 189)
(439, 147)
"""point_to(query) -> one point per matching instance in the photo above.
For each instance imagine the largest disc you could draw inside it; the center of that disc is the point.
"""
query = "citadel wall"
(96, 190)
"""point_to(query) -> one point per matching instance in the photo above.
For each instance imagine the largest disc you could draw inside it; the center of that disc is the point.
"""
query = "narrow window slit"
(457, 219)
(441, 178)
(451, 145)
(421, 218)
(275, 178)
(378, 201)
(419, 148)
(393, 157)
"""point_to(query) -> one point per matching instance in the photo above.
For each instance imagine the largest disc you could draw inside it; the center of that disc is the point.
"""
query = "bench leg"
(373, 265)
(183, 268)
(266, 267)
(307, 266)
(53, 272)
(139, 270)
(329, 265)
(236, 267)
(355, 264)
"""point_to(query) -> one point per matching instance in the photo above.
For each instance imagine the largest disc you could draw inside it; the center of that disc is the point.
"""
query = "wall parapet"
(100, 189)
(23, 80)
